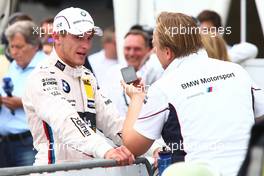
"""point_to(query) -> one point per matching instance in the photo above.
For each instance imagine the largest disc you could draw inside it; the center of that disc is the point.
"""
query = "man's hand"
(12, 102)
(121, 154)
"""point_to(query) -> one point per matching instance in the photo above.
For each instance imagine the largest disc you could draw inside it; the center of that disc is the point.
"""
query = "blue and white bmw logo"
(65, 86)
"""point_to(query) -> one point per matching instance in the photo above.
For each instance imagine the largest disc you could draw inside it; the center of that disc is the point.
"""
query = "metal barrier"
(87, 167)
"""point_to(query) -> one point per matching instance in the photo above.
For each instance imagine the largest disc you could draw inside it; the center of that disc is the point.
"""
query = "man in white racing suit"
(63, 104)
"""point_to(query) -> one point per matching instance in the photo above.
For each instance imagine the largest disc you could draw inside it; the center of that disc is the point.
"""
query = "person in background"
(136, 53)
(16, 146)
(209, 19)
(5, 57)
(215, 47)
(107, 57)
(18, 16)
(196, 104)
(46, 29)
(63, 101)
(238, 52)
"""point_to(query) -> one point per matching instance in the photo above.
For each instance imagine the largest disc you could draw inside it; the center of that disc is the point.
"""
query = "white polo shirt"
(203, 109)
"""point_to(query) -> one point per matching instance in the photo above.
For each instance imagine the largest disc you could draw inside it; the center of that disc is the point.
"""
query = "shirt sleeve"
(257, 94)
(43, 96)
(242, 51)
(153, 115)
(258, 100)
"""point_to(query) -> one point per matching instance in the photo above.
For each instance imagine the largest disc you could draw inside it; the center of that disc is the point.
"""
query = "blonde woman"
(215, 46)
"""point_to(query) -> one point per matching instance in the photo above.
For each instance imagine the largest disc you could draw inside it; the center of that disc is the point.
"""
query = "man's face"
(135, 50)
(208, 25)
(110, 49)
(21, 51)
(73, 49)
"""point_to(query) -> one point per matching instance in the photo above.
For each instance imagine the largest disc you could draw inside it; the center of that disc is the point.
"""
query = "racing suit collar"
(58, 63)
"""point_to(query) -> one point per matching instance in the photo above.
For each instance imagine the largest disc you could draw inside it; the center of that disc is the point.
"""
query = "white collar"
(58, 63)
(201, 54)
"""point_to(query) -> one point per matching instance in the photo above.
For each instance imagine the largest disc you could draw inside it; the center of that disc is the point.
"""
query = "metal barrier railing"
(89, 164)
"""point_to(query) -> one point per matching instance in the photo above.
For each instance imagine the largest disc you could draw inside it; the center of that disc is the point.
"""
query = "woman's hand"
(134, 90)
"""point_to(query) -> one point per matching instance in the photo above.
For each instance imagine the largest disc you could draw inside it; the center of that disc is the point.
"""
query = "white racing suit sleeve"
(107, 118)
(51, 107)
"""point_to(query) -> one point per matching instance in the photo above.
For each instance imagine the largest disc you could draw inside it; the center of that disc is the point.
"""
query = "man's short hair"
(18, 16)
(146, 29)
(26, 29)
(141, 33)
(48, 20)
(169, 34)
(208, 15)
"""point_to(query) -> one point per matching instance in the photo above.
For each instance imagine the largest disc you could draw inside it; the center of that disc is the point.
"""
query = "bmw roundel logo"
(65, 86)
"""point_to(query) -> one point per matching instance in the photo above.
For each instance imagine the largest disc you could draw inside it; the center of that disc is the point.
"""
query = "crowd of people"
(64, 104)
